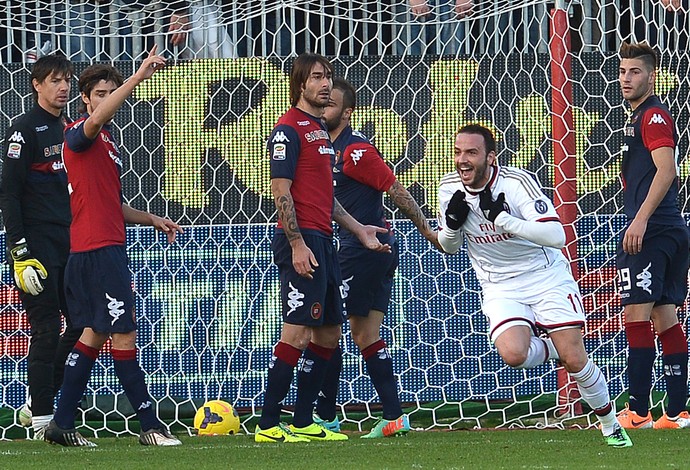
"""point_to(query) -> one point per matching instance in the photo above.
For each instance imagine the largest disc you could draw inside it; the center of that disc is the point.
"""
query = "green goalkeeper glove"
(28, 271)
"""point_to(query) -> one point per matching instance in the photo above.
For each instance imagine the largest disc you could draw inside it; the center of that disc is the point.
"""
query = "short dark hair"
(93, 74)
(642, 51)
(349, 92)
(301, 68)
(56, 64)
(489, 139)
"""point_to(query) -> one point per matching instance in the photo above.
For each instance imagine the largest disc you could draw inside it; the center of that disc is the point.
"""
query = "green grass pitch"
(496, 449)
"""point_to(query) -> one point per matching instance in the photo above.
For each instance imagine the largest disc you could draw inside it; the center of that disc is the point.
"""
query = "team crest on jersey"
(316, 310)
(14, 150)
(540, 206)
(357, 155)
(17, 137)
(657, 119)
(280, 137)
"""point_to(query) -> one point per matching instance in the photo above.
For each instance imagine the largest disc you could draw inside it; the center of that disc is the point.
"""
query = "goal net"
(194, 139)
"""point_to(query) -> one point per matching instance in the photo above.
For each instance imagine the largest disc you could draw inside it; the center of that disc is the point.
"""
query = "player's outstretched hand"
(167, 226)
(457, 211)
(490, 207)
(151, 64)
(369, 239)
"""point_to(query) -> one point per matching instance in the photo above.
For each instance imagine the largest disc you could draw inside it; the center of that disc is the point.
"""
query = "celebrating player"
(514, 237)
(97, 279)
(35, 207)
(652, 256)
(302, 159)
(360, 178)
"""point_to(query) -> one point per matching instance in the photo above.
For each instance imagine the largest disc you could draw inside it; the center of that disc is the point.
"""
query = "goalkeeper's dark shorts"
(367, 278)
(659, 272)
(98, 287)
(309, 302)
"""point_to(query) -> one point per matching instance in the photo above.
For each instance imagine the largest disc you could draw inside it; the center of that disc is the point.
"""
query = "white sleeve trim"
(549, 233)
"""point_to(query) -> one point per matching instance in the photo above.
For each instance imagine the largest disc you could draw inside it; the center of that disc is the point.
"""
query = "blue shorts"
(367, 278)
(309, 302)
(98, 287)
(659, 273)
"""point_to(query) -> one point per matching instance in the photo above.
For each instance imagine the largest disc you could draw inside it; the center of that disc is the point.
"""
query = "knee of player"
(514, 357)
(574, 363)
(124, 340)
(363, 339)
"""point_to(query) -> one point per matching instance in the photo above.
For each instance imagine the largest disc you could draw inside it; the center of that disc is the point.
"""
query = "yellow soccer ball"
(216, 417)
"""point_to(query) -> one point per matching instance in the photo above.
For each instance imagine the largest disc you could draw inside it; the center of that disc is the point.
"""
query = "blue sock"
(132, 379)
(641, 356)
(77, 372)
(674, 344)
(640, 364)
(309, 380)
(325, 406)
(280, 374)
(380, 368)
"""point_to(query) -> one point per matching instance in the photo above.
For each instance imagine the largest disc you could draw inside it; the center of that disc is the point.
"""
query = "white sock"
(553, 353)
(40, 422)
(593, 389)
(538, 353)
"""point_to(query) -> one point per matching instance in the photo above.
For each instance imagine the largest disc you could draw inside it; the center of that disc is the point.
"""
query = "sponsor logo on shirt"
(316, 135)
(280, 137)
(303, 123)
(14, 150)
(105, 138)
(116, 158)
(17, 137)
(58, 165)
(356, 155)
(41, 128)
(325, 150)
(629, 131)
(657, 119)
(279, 152)
(52, 150)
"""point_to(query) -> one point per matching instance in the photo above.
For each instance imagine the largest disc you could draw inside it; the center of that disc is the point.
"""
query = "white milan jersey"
(497, 255)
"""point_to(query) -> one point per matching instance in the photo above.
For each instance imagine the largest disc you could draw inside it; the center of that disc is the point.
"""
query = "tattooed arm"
(365, 233)
(303, 259)
(402, 198)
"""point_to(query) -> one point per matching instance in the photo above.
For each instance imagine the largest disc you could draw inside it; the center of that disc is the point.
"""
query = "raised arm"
(106, 110)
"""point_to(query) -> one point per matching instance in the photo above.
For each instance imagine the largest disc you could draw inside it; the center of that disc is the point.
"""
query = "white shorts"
(548, 299)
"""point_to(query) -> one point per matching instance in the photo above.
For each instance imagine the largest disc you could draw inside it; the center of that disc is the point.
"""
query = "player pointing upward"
(97, 279)
(514, 238)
